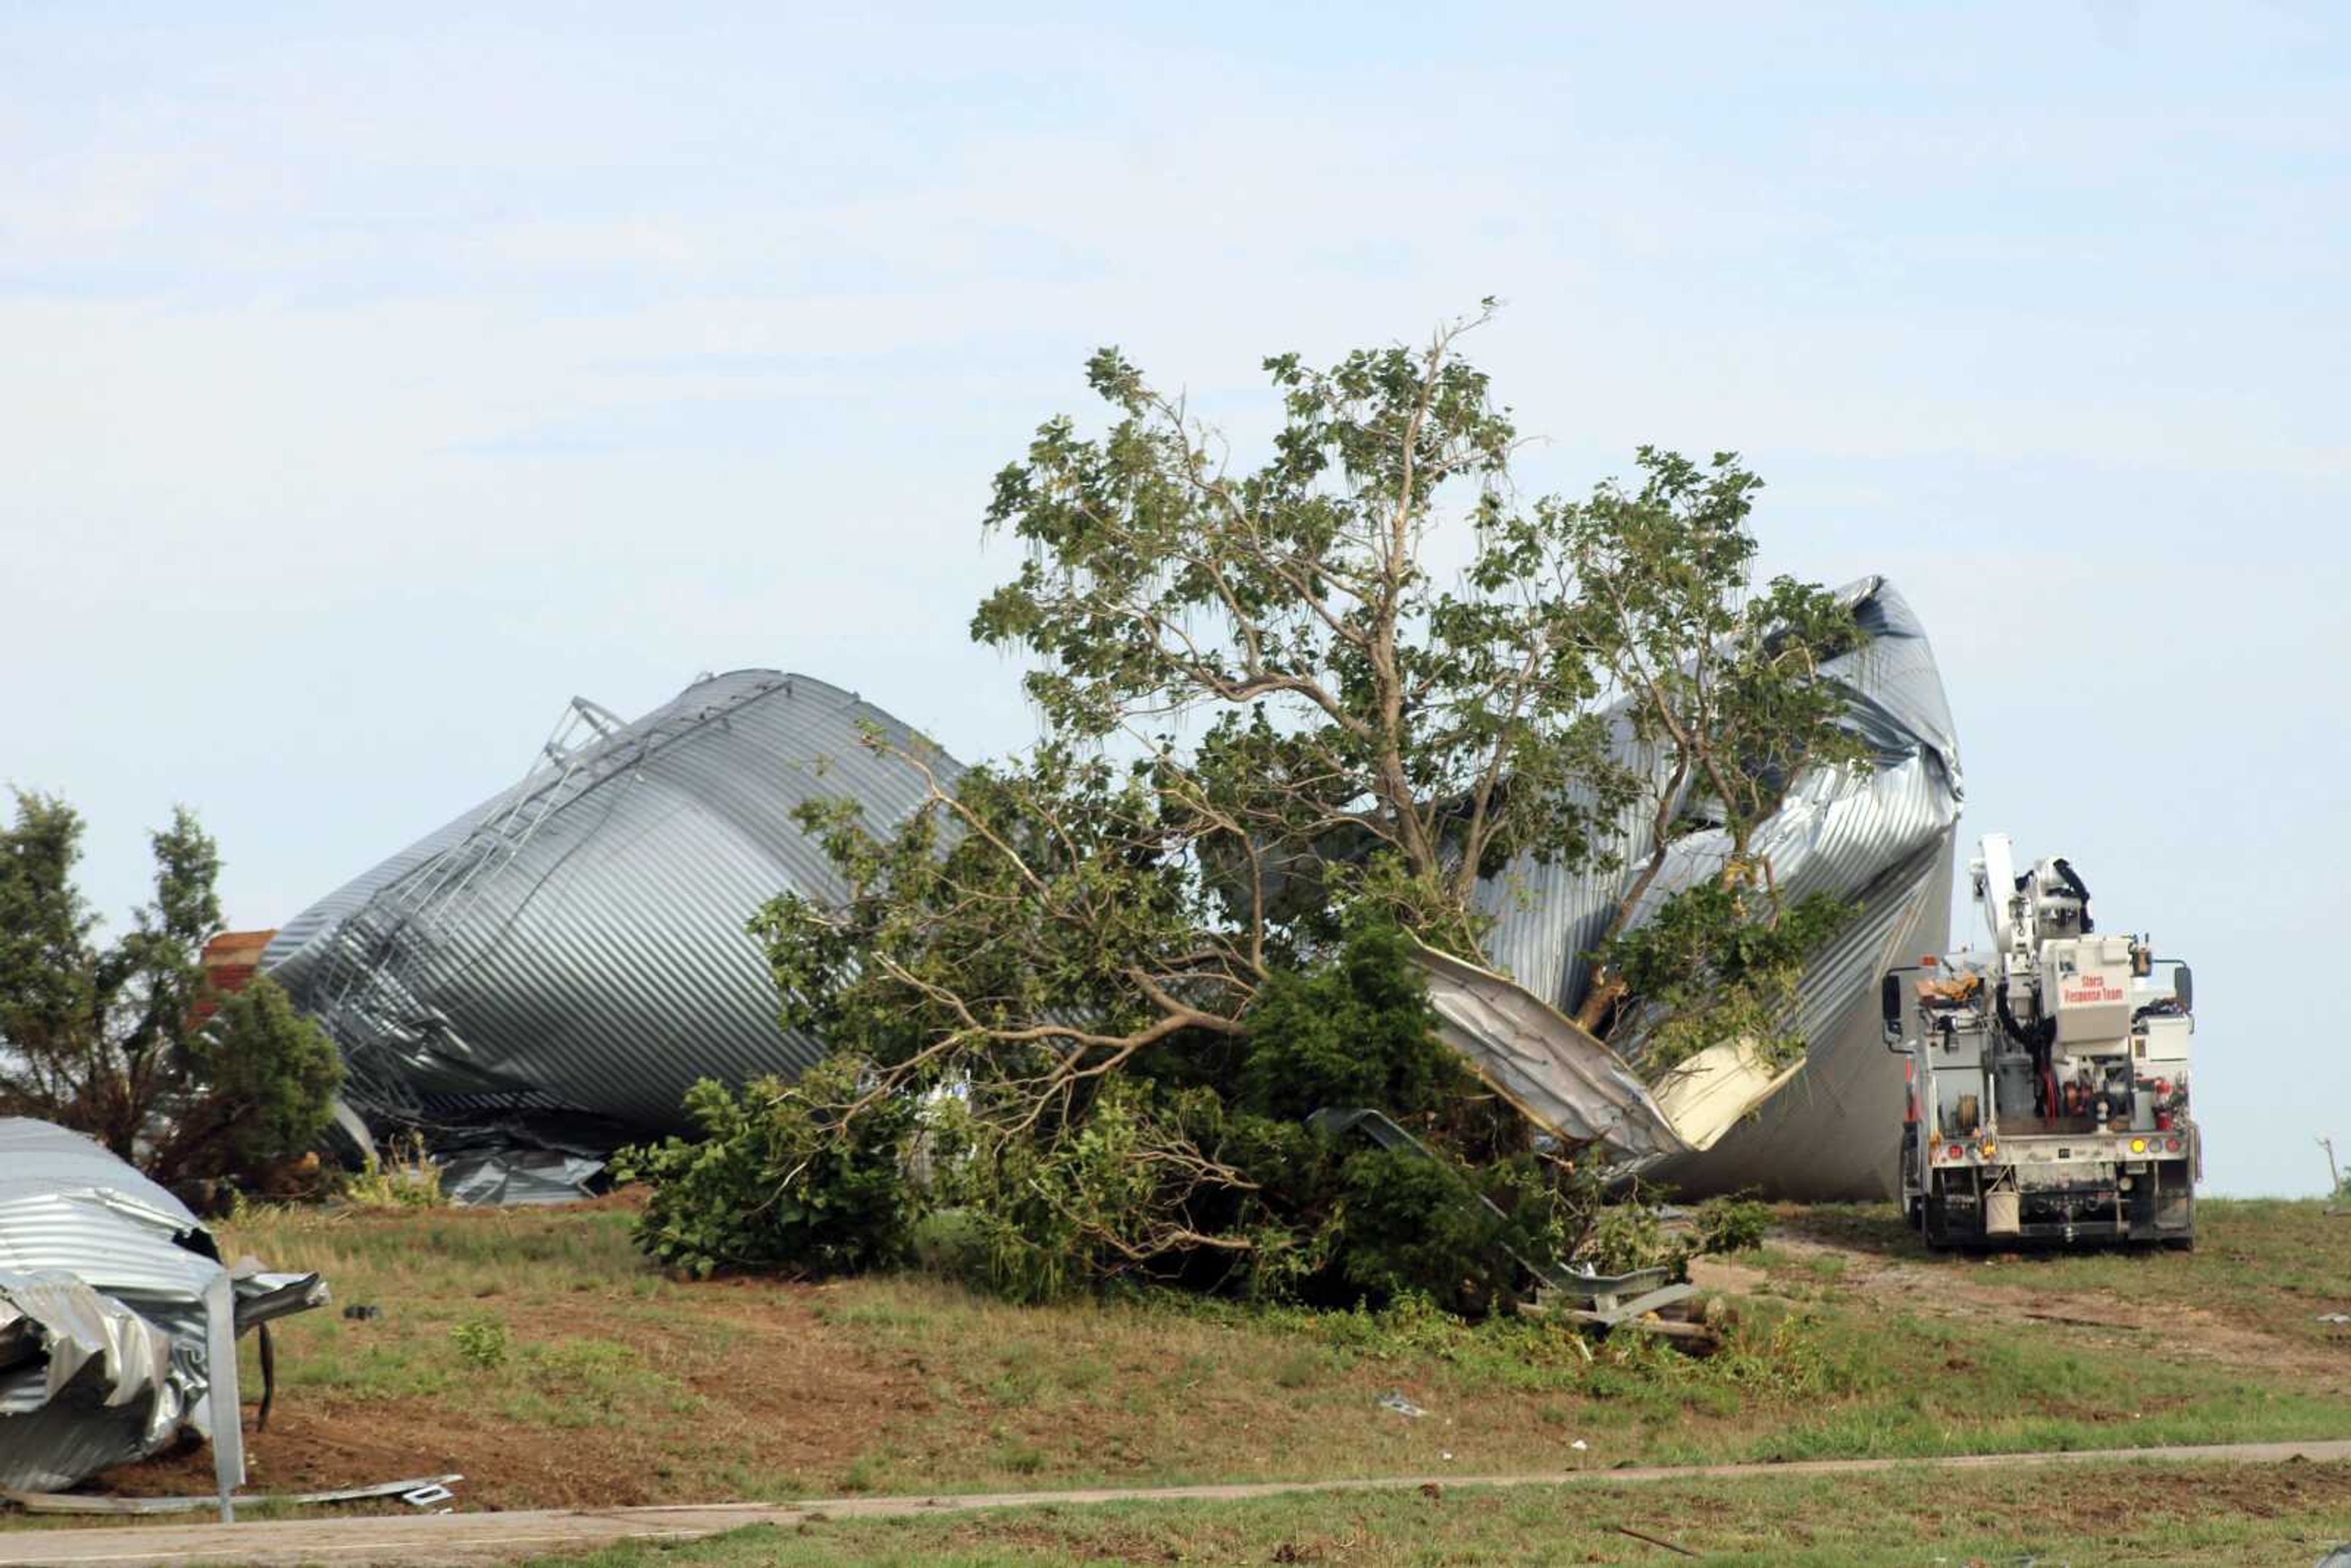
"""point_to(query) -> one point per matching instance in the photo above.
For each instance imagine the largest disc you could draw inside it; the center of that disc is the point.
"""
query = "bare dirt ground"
(783, 1393)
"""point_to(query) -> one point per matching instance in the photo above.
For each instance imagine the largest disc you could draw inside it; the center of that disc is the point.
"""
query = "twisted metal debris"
(575, 948)
(118, 1319)
(1879, 838)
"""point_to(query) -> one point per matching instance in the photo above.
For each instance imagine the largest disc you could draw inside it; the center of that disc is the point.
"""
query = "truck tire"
(1909, 1183)
(1934, 1222)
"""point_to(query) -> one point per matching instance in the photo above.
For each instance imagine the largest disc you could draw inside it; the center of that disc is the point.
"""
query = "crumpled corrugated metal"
(52, 1325)
(1881, 839)
(1557, 1076)
(1570, 1083)
(518, 1178)
(575, 946)
(118, 1319)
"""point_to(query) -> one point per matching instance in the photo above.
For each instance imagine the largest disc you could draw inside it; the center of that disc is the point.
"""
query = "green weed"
(482, 1342)
(405, 1177)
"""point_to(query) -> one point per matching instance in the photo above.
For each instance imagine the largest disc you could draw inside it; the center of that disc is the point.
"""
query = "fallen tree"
(1091, 994)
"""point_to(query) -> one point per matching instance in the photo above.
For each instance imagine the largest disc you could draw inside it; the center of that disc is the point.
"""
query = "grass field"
(2270, 1267)
(535, 1353)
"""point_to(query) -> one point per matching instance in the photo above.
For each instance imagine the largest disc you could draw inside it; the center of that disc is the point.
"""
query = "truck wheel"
(2180, 1244)
(1934, 1225)
(1909, 1182)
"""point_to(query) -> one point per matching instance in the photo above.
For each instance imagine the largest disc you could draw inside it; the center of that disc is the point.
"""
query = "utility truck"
(2048, 1077)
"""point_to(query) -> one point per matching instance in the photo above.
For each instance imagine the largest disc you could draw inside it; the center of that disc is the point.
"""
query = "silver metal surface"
(1557, 1075)
(118, 1321)
(512, 1178)
(1881, 838)
(430, 1488)
(578, 944)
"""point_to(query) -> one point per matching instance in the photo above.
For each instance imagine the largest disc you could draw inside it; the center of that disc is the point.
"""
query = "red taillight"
(1954, 1152)
(2171, 1146)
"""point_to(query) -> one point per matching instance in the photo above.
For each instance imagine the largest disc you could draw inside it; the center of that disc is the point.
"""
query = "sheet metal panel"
(117, 1293)
(1554, 1072)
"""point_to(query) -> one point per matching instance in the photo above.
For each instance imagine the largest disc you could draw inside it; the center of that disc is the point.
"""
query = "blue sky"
(373, 379)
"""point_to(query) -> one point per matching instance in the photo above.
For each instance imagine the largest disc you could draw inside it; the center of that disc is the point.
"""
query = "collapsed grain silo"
(1878, 837)
(553, 970)
(556, 966)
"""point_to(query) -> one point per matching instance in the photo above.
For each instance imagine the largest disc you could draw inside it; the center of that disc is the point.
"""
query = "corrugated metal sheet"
(117, 1322)
(66, 1204)
(578, 943)
(1881, 838)
(53, 1325)
(1556, 1074)
(1835, 1131)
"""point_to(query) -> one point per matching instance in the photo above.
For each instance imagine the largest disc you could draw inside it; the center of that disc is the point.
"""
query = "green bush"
(1730, 1225)
(791, 1177)
(1046, 1211)
(1413, 1225)
(1356, 1031)
(1195, 1165)
(270, 1077)
(948, 1242)
(113, 1040)
(404, 1176)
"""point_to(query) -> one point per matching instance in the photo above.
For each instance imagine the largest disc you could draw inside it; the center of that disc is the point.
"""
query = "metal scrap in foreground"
(118, 1319)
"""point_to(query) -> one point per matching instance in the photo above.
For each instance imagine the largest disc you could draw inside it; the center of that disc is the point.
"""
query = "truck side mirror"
(1889, 998)
(2183, 988)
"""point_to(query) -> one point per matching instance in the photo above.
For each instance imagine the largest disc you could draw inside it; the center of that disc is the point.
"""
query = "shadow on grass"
(1879, 1230)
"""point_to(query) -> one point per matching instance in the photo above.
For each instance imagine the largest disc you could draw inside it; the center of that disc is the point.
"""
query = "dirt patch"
(780, 1393)
(1714, 1273)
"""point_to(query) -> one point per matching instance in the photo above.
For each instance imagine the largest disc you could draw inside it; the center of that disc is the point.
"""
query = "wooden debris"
(1639, 1303)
